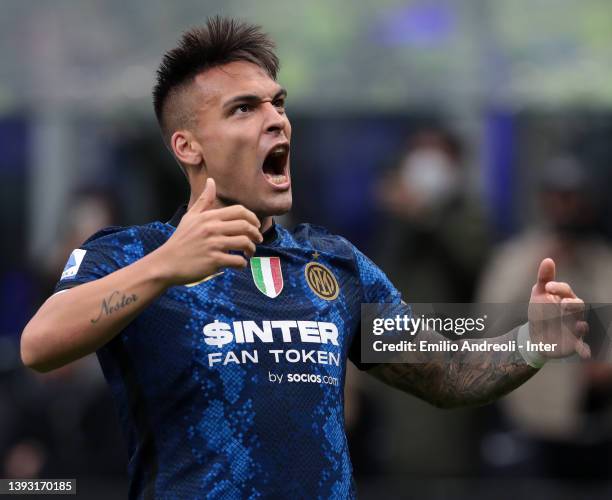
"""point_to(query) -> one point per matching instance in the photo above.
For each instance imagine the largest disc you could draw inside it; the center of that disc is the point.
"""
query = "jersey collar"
(269, 236)
(178, 215)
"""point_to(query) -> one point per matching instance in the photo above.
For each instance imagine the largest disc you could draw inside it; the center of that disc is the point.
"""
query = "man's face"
(244, 135)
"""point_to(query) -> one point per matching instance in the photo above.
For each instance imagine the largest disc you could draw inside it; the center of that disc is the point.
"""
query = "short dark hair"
(220, 41)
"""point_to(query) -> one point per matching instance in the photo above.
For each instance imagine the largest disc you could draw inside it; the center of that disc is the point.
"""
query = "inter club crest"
(267, 275)
(321, 281)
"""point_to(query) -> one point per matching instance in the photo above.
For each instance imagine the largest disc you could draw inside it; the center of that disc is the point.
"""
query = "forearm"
(450, 379)
(74, 323)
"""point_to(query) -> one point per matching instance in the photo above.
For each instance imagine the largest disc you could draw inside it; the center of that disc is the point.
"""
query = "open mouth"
(275, 165)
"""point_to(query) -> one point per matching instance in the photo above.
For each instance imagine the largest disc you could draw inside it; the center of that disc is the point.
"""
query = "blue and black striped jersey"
(233, 387)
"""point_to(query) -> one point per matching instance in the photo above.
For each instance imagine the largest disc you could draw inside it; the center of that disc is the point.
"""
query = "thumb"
(207, 198)
(546, 273)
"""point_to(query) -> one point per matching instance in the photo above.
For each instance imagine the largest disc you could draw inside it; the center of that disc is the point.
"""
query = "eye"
(242, 109)
(280, 104)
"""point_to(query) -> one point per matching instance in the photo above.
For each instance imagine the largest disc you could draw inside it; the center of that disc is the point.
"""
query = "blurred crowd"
(415, 201)
(439, 246)
(456, 143)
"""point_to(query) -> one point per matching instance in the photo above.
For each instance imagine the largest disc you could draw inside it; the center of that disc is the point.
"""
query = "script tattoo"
(463, 378)
(113, 303)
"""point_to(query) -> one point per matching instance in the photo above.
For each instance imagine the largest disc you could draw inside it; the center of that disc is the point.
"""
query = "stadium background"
(518, 84)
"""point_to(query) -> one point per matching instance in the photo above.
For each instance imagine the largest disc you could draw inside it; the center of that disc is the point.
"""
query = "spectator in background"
(433, 245)
(436, 238)
(563, 410)
(568, 203)
(62, 423)
(91, 210)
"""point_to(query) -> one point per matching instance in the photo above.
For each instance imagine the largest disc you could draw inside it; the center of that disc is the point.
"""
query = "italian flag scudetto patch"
(267, 275)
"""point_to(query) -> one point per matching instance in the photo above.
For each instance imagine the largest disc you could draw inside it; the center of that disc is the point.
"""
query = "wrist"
(158, 268)
(531, 357)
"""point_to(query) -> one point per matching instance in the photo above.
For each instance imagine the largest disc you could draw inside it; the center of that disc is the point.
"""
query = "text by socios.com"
(308, 378)
(312, 378)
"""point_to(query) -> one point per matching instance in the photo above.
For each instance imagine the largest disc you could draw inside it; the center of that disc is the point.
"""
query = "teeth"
(277, 179)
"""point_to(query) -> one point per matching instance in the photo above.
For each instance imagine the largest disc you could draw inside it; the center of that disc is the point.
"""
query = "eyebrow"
(252, 98)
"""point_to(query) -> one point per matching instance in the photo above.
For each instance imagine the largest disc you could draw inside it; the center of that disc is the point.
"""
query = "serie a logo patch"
(73, 264)
(321, 281)
(267, 275)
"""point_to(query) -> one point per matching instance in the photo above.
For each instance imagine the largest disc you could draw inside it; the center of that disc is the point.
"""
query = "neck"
(266, 223)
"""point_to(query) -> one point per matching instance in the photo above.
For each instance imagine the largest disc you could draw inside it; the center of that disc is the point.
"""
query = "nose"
(275, 119)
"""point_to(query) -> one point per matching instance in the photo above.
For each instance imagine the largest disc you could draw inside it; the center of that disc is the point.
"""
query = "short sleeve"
(102, 254)
(376, 289)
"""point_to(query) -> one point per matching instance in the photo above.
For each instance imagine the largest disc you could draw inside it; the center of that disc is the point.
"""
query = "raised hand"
(556, 315)
(202, 241)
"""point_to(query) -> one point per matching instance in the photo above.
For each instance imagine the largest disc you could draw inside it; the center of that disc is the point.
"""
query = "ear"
(186, 148)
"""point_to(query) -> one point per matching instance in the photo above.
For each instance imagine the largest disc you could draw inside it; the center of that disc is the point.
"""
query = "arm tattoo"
(459, 378)
(115, 302)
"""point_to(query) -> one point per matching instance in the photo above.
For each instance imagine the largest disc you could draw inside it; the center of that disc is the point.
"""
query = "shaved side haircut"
(220, 41)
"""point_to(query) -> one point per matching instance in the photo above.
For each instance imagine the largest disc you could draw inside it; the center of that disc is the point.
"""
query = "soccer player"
(223, 336)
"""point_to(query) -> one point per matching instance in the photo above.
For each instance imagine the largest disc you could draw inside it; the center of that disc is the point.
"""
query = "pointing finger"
(207, 198)
(546, 273)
